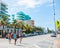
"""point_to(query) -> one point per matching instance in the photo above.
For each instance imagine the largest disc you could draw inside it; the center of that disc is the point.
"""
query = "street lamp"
(54, 14)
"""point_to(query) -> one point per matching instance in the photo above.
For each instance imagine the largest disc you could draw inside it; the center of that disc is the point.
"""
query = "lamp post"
(54, 14)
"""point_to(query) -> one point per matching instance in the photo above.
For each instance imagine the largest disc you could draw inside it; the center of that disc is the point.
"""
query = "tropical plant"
(28, 29)
(14, 25)
(40, 29)
(4, 20)
(20, 25)
(50, 31)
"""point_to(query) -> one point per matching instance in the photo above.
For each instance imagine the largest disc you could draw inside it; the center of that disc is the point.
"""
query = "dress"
(15, 36)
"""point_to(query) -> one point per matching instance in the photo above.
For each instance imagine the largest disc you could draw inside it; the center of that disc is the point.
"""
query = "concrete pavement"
(57, 42)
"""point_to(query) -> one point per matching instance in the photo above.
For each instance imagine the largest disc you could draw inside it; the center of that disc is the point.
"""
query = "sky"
(41, 11)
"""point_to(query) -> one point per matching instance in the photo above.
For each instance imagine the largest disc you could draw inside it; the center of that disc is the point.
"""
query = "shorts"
(21, 36)
(9, 38)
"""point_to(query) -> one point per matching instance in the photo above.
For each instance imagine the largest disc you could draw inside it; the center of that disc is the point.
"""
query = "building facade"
(3, 8)
(22, 16)
(3, 11)
(29, 22)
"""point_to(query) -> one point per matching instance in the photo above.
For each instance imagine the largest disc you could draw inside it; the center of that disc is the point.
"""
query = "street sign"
(58, 24)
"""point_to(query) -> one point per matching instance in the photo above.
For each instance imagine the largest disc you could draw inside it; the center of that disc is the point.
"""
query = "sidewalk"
(43, 41)
(57, 42)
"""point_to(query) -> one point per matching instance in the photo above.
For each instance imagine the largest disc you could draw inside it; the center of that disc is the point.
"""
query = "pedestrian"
(9, 37)
(15, 38)
(21, 35)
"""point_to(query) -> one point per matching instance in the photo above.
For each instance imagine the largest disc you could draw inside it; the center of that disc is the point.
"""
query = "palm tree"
(28, 29)
(15, 24)
(20, 25)
(39, 29)
(9, 25)
(3, 21)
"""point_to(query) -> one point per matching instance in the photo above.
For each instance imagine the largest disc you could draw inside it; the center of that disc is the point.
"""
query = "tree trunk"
(15, 29)
(3, 31)
(18, 29)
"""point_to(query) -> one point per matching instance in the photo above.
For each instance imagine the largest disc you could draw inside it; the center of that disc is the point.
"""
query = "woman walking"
(9, 37)
(15, 38)
(21, 37)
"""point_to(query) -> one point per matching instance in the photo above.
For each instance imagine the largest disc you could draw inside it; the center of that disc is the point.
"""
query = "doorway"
(0, 33)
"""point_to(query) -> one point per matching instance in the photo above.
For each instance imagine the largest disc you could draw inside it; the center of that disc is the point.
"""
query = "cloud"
(32, 3)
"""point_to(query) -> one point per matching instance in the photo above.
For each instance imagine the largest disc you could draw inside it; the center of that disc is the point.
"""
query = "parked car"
(30, 34)
(35, 33)
(53, 35)
(24, 35)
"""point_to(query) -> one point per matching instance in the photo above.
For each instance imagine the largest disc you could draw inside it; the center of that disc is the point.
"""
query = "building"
(3, 8)
(3, 11)
(22, 16)
(29, 22)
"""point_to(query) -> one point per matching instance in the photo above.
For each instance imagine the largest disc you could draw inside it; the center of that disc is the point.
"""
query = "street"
(40, 41)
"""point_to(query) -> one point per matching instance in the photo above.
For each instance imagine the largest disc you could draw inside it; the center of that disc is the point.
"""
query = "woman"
(15, 38)
(9, 37)
(21, 36)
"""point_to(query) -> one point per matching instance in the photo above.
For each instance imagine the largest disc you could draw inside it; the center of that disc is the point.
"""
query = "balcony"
(3, 11)
(3, 7)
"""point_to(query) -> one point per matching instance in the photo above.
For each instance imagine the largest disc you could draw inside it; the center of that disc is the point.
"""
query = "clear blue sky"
(41, 11)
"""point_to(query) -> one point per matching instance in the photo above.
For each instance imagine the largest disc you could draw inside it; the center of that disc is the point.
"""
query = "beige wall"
(30, 22)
